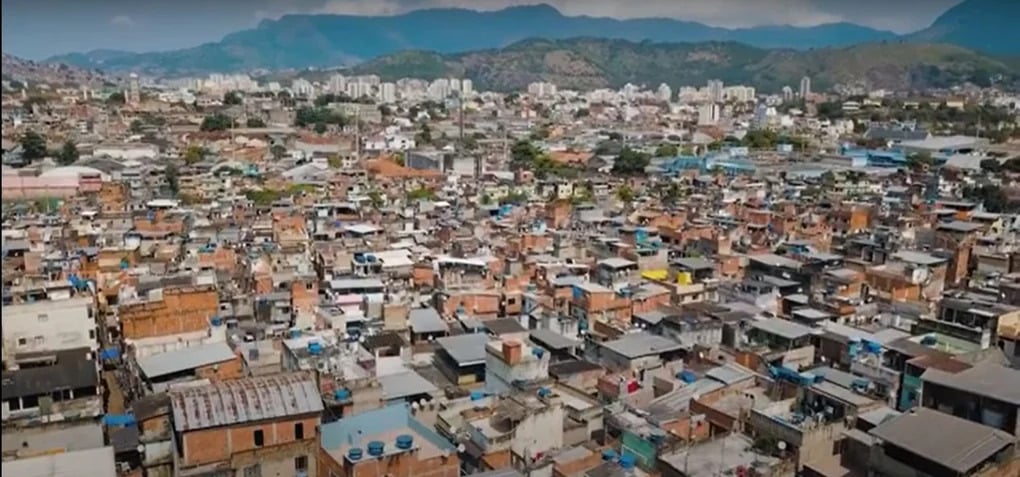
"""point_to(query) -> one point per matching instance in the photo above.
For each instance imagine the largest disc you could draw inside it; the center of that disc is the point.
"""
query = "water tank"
(608, 455)
(538, 352)
(873, 347)
(314, 348)
(342, 395)
(627, 461)
(687, 377)
(295, 333)
(217, 321)
(929, 340)
(544, 392)
(354, 454)
(376, 448)
(405, 442)
(477, 395)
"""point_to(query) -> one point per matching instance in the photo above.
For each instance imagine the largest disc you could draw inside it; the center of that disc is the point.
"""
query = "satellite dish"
(781, 445)
(461, 448)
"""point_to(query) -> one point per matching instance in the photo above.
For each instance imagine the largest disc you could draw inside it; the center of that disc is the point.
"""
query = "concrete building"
(383, 443)
(512, 363)
(51, 325)
(251, 426)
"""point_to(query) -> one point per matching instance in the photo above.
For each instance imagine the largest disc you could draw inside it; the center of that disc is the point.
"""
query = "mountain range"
(303, 41)
(589, 63)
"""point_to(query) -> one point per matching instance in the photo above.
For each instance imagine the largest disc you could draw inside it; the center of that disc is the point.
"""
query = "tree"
(421, 193)
(172, 179)
(194, 154)
(991, 165)
(320, 128)
(424, 136)
(256, 123)
(993, 197)
(278, 151)
(116, 98)
(68, 154)
(631, 162)
(625, 194)
(1012, 165)
(334, 161)
(523, 154)
(232, 98)
(376, 199)
(672, 194)
(216, 122)
(398, 158)
(667, 150)
(919, 161)
(33, 146)
(137, 126)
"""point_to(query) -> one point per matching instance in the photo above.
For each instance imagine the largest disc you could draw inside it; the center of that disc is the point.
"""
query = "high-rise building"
(388, 93)
(337, 84)
(664, 93)
(467, 87)
(787, 93)
(134, 95)
(805, 87)
(541, 89)
(708, 114)
(715, 91)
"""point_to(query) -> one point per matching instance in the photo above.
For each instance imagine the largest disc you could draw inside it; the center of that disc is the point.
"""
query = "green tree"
(278, 151)
(515, 197)
(631, 162)
(216, 122)
(68, 154)
(376, 199)
(672, 194)
(523, 155)
(33, 146)
(424, 136)
(919, 161)
(667, 150)
(137, 126)
(486, 199)
(991, 165)
(255, 123)
(625, 194)
(398, 158)
(194, 154)
(320, 128)
(116, 99)
(334, 161)
(421, 193)
(172, 179)
(232, 98)
(993, 197)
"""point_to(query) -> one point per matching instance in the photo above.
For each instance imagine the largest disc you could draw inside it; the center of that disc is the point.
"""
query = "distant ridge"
(301, 41)
(991, 26)
(588, 63)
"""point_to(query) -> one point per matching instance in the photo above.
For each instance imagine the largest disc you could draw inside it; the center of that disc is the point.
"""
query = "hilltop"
(596, 63)
(302, 41)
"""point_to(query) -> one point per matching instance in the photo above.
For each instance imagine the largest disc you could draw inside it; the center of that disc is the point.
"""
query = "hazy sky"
(40, 28)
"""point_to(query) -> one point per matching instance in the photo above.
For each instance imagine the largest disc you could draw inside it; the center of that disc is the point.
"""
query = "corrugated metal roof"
(245, 400)
(93, 463)
(924, 432)
(184, 359)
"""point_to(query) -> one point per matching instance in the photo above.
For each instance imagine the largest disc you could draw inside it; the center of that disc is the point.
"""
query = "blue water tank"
(341, 395)
(627, 461)
(477, 395)
(314, 348)
(687, 377)
(872, 347)
(355, 454)
(404, 441)
(544, 392)
(376, 448)
(929, 340)
(608, 455)
(538, 352)
(217, 321)
(295, 333)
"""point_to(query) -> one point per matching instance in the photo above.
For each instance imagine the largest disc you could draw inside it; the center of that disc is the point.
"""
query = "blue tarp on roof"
(118, 420)
(109, 354)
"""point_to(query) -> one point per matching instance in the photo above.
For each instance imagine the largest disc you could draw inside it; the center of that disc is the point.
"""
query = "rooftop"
(924, 432)
(245, 400)
(637, 345)
(164, 364)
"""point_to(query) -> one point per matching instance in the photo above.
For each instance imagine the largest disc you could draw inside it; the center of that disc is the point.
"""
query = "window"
(92, 334)
(253, 470)
(299, 431)
(43, 317)
(259, 439)
(301, 463)
(22, 341)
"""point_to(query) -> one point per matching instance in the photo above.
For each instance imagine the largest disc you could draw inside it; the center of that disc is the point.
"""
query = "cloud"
(122, 21)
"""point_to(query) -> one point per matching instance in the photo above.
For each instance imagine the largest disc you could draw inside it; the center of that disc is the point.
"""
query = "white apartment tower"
(805, 87)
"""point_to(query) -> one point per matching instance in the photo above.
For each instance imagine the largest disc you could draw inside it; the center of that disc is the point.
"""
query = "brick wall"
(181, 310)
